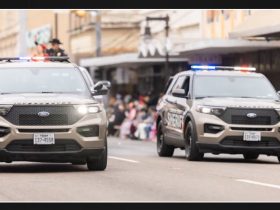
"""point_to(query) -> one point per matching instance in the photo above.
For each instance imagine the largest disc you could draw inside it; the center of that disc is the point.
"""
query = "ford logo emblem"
(251, 115)
(43, 114)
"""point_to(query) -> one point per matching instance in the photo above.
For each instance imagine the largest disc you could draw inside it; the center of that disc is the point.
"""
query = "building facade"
(19, 29)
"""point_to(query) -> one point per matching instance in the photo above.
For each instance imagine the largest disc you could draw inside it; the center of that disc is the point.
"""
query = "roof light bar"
(229, 68)
(24, 58)
(203, 67)
(42, 58)
(238, 68)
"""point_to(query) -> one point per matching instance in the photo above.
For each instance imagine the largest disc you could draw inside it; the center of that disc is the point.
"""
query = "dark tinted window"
(186, 85)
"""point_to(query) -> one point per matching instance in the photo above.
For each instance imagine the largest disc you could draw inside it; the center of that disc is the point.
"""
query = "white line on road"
(259, 183)
(123, 159)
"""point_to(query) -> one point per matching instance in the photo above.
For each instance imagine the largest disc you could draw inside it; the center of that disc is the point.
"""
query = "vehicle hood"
(240, 102)
(51, 99)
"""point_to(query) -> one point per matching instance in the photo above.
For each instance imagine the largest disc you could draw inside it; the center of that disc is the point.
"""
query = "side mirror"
(99, 89)
(106, 83)
(179, 93)
(98, 86)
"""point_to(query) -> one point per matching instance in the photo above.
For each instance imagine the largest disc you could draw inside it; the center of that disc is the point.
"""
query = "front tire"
(191, 149)
(250, 156)
(163, 149)
(100, 163)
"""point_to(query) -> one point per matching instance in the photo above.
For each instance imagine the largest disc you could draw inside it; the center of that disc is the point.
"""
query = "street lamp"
(148, 33)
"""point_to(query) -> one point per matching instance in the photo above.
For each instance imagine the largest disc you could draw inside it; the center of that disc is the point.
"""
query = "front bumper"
(93, 145)
(230, 139)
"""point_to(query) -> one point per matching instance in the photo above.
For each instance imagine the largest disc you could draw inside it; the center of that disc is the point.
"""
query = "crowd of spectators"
(133, 117)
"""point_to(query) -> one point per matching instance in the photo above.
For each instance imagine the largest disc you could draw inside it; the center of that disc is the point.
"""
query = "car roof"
(221, 73)
(20, 64)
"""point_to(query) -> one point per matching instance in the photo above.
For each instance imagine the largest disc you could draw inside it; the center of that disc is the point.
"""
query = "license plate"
(43, 138)
(252, 136)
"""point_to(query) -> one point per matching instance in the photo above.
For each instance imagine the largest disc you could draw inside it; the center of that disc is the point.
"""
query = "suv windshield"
(233, 86)
(42, 80)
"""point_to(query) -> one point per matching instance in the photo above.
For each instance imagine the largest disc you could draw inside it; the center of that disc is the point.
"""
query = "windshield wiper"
(51, 92)
(200, 97)
(47, 92)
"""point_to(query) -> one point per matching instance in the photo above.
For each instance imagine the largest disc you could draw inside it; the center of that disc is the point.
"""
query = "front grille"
(250, 129)
(27, 145)
(238, 141)
(43, 130)
(239, 116)
(28, 115)
(31, 119)
(240, 119)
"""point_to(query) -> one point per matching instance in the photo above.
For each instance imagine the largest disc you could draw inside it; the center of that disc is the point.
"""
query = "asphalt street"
(136, 173)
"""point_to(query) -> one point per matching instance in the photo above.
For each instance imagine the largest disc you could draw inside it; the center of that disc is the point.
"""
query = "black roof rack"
(36, 58)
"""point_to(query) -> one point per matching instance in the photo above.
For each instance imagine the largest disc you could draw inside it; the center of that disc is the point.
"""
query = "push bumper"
(61, 157)
(218, 148)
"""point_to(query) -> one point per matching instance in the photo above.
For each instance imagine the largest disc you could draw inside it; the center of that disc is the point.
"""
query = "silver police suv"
(49, 112)
(219, 109)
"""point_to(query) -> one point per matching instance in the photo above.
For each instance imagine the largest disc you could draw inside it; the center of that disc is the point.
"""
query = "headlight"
(215, 110)
(85, 109)
(4, 109)
(278, 111)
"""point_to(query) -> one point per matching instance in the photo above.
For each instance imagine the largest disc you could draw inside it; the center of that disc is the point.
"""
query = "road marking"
(259, 183)
(123, 159)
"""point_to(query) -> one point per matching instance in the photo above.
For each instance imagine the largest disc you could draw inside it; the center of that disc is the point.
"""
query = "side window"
(186, 85)
(179, 82)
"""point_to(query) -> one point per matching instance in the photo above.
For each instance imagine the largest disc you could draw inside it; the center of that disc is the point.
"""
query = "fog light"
(88, 131)
(212, 128)
(4, 131)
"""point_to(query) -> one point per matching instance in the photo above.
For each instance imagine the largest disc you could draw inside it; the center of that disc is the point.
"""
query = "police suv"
(49, 112)
(219, 109)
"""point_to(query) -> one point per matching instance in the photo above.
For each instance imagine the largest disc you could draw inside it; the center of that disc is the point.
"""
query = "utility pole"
(22, 42)
(166, 19)
(166, 47)
(55, 25)
(98, 33)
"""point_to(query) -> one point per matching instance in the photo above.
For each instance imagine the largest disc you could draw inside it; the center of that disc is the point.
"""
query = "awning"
(128, 58)
(260, 23)
(221, 47)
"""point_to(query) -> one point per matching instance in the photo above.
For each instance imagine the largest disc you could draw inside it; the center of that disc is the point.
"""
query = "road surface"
(136, 173)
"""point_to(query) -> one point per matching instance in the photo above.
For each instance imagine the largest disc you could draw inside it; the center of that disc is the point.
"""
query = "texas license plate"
(43, 138)
(252, 136)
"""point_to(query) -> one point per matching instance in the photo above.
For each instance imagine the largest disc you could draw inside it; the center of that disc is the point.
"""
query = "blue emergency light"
(228, 68)
(201, 67)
